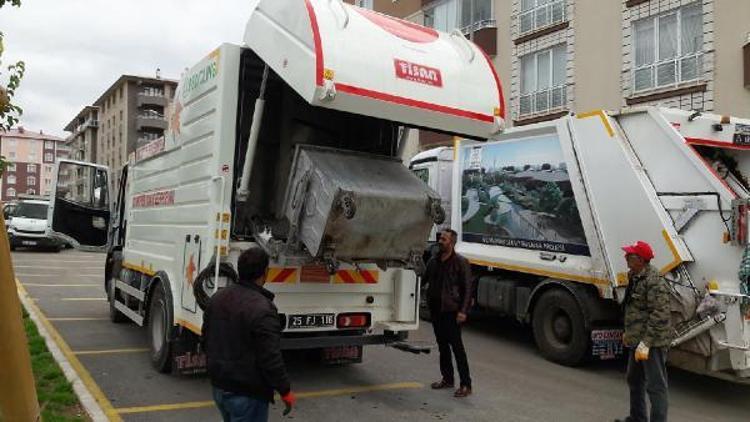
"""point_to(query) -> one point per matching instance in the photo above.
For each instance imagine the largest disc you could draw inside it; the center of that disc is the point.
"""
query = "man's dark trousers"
(648, 377)
(448, 335)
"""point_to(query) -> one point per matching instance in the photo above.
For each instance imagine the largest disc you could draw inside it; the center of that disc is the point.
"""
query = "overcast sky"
(75, 49)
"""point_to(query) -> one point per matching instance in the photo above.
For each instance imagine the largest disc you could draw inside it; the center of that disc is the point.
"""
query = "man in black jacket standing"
(449, 298)
(242, 332)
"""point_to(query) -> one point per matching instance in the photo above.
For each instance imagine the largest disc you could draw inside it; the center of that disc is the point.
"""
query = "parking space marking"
(109, 352)
(58, 275)
(61, 285)
(76, 319)
(301, 395)
(83, 299)
(55, 268)
(82, 372)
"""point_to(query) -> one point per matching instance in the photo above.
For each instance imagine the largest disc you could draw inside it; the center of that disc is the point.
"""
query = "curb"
(87, 399)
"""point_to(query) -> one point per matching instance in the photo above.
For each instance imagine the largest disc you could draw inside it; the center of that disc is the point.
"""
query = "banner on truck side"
(520, 197)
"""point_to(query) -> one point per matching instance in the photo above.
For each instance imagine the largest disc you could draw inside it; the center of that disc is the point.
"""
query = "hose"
(204, 282)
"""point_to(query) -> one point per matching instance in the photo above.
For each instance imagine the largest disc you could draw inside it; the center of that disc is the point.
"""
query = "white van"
(27, 225)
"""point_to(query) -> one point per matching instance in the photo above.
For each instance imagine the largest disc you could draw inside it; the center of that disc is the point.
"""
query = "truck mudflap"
(606, 343)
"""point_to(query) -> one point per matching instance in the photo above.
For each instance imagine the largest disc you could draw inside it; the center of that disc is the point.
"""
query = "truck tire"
(559, 329)
(160, 321)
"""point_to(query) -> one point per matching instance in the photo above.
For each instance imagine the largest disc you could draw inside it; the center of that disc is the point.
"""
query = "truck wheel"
(559, 329)
(159, 323)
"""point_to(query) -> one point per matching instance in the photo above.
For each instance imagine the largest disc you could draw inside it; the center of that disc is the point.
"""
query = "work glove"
(289, 401)
(641, 352)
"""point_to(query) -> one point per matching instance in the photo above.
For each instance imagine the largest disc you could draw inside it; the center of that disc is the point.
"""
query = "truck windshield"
(27, 210)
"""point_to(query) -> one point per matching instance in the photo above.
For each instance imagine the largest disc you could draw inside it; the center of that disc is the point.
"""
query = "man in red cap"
(647, 335)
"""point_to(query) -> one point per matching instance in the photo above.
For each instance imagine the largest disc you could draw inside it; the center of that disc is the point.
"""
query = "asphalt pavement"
(512, 382)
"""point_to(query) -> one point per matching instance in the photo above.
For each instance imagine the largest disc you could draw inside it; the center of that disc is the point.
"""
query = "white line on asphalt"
(57, 275)
(83, 299)
(45, 267)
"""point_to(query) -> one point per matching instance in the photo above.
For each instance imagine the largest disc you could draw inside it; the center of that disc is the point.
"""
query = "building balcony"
(151, 99)
(150, 121)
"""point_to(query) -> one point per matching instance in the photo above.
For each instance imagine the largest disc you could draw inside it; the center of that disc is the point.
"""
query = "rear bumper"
(315, 340)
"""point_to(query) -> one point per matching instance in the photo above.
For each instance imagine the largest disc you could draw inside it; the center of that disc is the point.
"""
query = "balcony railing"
(668, 72)
(542, 102)
(479, 25)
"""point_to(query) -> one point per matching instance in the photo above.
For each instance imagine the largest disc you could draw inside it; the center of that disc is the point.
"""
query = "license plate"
(311, 321)
(606, 344)
(28, 243)
(342, 354)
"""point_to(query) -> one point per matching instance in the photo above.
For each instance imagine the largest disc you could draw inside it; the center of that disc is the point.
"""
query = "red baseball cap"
(641, 249)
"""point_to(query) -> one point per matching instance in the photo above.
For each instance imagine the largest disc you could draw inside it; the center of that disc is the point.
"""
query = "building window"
(543, 76)
(48, 169)
(11, 167)
(49, 145)
(448, 15)
(537, 14)
(47, 181)
(31, 191)
(365, 4)
(483, 17)
(668, 48)
(10, 193)
(31, 181)
(11, 180)
(31, 168)
(443, 16)
(49, 157)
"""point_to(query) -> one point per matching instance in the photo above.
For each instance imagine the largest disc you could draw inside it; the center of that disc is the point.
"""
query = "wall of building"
(31, 155)
(598, 56)
(731, 32)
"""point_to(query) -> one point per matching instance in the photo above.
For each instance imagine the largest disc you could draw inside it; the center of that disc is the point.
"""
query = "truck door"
(79, 211)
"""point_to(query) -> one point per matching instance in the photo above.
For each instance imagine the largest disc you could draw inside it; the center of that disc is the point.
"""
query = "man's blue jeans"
(239, 408)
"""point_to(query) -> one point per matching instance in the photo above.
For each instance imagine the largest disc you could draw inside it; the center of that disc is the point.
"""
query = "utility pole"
(18, 400)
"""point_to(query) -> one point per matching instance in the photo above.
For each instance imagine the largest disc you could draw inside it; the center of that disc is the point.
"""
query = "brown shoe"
(463, 391)
(439, 385)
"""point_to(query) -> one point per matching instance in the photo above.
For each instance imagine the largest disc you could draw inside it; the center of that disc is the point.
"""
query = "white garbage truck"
(542, 212)
(290, 142)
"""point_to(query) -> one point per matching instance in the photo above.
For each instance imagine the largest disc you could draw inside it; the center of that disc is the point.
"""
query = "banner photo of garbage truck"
(518, 194)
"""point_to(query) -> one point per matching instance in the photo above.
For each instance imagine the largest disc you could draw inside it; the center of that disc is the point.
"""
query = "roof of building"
(20, 132)
(128, 78)
(70, 127)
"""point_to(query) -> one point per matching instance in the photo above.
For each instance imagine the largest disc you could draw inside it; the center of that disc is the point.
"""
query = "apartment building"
(84, 130)
(31, 156)
(560, 56)
(129, 114)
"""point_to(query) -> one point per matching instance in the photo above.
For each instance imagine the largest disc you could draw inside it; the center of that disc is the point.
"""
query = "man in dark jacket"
(242, 333)
(449, 298)
(647, 334)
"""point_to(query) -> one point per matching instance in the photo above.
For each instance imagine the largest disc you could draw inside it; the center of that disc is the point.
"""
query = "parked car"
(27, 226)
